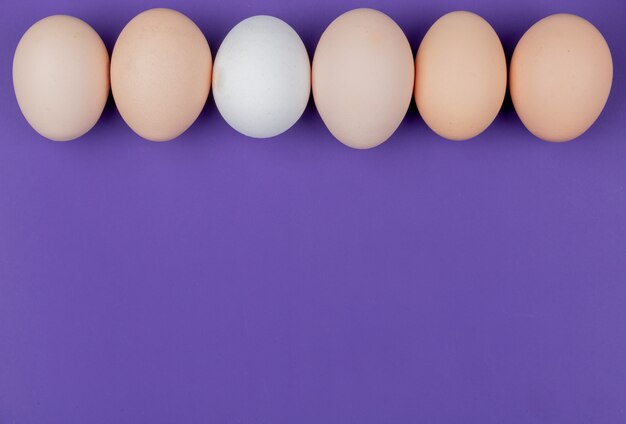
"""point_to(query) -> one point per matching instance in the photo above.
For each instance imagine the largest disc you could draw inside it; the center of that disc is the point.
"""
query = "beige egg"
(560, 77)
(61, 77)
(160, 73)
(460, 76)
(362, 77)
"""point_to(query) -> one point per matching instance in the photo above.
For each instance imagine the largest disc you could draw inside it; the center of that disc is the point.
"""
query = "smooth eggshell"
(460, 77)
(61, 77)
(261, 77)
(160, 73)
(363, 74)
(560, 77)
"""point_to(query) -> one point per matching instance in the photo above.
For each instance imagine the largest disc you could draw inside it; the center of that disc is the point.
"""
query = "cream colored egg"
(160, 73)
(560, 77)
(61, 77)
(362, 77)
(460, 77)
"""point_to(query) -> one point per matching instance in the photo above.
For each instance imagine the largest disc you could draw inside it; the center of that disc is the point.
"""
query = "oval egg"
(560, 77)
(61, 77)
(460, 76)
(261, 77)
(160, 73)
(362, 77)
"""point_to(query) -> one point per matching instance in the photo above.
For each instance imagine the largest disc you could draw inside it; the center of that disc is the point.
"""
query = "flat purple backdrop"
(220, 279)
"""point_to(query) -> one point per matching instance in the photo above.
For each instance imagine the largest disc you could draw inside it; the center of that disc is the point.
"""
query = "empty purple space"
(221, 279)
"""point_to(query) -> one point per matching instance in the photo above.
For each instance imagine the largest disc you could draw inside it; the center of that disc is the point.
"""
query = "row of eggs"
(363, 76)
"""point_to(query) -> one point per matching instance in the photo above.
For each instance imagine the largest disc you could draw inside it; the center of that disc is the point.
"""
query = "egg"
(460, 76)
(160, 73)
(560, 77)
(362, 77)
(61, 77)
(261, 77)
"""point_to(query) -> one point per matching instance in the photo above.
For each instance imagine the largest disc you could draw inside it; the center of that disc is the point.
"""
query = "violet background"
(220, 279)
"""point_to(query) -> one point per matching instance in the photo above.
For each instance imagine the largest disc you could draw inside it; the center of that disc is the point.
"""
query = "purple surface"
(219, 279)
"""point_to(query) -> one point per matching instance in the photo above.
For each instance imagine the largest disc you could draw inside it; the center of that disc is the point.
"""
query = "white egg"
(261, 77)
